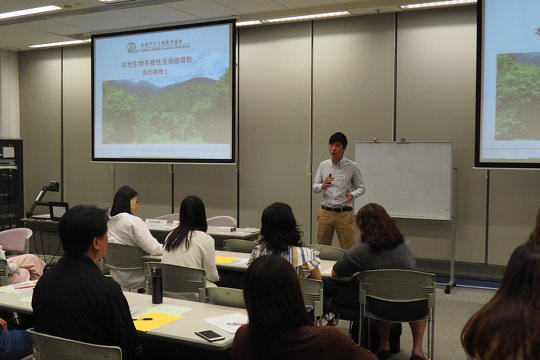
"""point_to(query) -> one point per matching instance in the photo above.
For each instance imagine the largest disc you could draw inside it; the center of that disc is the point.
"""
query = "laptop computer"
(57, 209)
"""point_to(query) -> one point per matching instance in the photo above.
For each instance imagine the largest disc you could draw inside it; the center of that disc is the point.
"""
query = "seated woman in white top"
(189, 245)
(127, 229)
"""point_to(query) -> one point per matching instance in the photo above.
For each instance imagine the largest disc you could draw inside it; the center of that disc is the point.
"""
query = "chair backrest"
(312, 291)
(328, 252)
(124, 257)
(397, 286)
(178, 279)
(169, 217)
(223, 296)
(221, 220)
(48, 347)
(239, 245)
(15, 240)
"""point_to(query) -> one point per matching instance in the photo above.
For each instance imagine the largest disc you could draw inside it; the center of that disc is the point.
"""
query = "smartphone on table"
(209, 335)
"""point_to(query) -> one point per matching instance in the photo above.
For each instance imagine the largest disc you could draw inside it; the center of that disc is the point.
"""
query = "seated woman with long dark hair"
(279, 326)
(189, 245)
(507, 327)
(381, 246)
(280, 236)
(127, 229)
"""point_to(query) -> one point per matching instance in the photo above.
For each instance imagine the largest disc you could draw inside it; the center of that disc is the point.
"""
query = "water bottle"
(2, 253)
(157, 286)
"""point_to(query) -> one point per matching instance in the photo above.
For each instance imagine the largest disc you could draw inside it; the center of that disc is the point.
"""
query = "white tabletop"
(240, 262)
(219, 231)
(182, 331)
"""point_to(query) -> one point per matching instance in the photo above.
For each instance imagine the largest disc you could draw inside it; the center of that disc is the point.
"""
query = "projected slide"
(164, 95)
(510, 88)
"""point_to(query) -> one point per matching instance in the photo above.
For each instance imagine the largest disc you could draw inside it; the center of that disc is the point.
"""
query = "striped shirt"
(303, 259)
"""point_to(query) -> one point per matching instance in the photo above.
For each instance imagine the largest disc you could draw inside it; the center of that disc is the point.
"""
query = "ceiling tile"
(203, 8)
(292, 4)
(55, 27)
(251, 6)
(18, 36)
(161, 14)
(107, 21)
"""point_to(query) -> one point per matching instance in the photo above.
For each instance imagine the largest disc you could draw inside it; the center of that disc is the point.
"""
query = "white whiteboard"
(411, 180)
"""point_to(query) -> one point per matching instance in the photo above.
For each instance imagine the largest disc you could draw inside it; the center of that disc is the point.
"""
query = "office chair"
(124, 257)
(48, 347)
(223, 296)
(328, 252)
(15, 240)
(169, 217)
(222, 220)
(397, 295)
(239, 245)
(178, 280)
(312, 291)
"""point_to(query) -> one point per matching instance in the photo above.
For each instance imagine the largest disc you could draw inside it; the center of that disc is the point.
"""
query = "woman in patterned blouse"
(280, 236)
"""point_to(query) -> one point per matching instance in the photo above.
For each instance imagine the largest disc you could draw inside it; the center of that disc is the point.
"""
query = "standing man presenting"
(340, 181)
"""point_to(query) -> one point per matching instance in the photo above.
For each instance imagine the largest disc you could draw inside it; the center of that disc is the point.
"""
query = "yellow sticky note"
(224, 260)
(153, 320)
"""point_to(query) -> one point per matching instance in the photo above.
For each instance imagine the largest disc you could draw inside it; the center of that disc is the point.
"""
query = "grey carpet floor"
(451, 313)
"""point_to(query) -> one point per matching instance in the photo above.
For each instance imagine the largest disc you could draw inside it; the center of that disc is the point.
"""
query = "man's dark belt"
(337, 209)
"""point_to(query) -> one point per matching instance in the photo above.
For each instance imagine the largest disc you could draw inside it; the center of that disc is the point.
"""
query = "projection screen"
(164, 95)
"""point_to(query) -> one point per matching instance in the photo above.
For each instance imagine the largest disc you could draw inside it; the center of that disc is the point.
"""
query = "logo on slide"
(131, 47)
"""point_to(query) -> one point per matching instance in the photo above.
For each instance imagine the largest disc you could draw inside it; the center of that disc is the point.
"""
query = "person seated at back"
(279, 326)
(381, 246)
(189, 245)
(507, 327)
(25, 267)
(14, 344)
(74, 300)
(127, 229)
(280, 236)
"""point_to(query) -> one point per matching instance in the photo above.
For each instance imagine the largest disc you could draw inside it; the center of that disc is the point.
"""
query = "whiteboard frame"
(451, 214)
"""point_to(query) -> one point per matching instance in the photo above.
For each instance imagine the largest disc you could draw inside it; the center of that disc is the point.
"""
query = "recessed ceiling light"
(116, 1)
(60, 43)
(437, 3)
(307, 17)
(31, 11)
(248, 23)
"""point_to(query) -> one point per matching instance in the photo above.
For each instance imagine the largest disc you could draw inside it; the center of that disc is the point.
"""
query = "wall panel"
(40, 96)
(85, 182)
(436, 101)
(274, 120)
(353, 92)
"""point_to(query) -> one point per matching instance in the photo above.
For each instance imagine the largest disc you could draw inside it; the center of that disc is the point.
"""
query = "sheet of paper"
(230, 322)
(154, 320)
(8, 152)
(169, 309)
(27, 299)
(240, 261)
(20, 288)
(222, 260)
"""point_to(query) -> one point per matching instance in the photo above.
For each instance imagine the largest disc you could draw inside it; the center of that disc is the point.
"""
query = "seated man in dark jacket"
(74, 299)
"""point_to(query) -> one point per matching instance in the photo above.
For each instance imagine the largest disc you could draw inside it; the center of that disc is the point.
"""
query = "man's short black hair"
(338, 137)
(79, 225)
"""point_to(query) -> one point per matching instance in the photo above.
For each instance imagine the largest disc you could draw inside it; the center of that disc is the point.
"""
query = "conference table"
(193, 317)
(46, 240)
(219, 233)
(231, 263)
